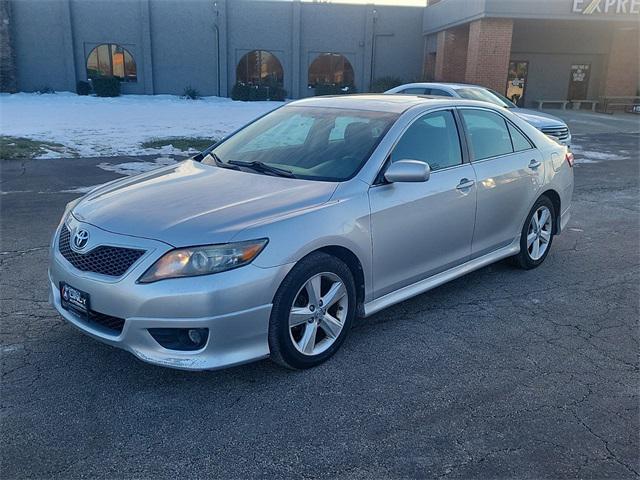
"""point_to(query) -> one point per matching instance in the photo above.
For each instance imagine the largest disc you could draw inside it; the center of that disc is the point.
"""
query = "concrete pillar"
(147, 52)
(622, 74)
(295, 50)
(451, 54)
(223, 49)
(489, 51)
(8, 81)
(69, 46)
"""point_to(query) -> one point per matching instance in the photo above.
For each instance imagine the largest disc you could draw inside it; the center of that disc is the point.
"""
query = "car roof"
(392, 103)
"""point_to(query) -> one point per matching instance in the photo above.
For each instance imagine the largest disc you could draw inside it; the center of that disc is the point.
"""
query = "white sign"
(616, 7)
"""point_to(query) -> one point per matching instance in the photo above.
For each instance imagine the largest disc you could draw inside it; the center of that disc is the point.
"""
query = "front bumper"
(235, 306)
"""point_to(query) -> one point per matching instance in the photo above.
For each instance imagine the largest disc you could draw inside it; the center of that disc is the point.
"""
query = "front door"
(579, 81)
(510, 174)
(420, 229)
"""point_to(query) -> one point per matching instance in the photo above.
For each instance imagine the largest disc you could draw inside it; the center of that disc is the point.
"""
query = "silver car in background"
(548, 124)
(271, 242)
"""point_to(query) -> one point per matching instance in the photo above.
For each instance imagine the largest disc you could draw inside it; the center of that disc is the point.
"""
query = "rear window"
(413, 91)
(483, 95)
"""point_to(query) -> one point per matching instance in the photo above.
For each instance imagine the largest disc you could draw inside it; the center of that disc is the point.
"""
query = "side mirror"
(408, 171)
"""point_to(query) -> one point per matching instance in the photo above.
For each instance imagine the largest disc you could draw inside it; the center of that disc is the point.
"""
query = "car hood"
(194, 204)
(538, 119)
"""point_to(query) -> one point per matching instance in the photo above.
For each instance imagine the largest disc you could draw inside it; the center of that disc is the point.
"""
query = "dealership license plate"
(73, 299)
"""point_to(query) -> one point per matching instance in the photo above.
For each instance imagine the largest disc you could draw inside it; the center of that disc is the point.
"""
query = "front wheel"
(537, 235)
(312, 312)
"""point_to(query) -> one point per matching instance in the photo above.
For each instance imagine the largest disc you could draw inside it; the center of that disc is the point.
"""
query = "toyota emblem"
(80, 239)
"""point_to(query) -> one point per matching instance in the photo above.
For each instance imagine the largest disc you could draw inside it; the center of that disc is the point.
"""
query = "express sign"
(611, 7)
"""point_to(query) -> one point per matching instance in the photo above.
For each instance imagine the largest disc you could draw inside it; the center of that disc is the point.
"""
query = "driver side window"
(432, 138)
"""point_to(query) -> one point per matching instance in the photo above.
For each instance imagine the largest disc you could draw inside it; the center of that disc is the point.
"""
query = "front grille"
(561, 133)
(114, 324)
(111, 261)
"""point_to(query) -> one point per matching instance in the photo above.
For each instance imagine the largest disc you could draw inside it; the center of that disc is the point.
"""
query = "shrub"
(190, 93)
(46, 90)
(83, 88)
(254, 93)
(277, 93)
(331, 89)
(106, 87)
(240, 91)
(383, 84)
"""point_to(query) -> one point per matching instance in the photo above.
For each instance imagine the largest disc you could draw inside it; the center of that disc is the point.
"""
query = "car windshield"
(316, 143)
(485, 95)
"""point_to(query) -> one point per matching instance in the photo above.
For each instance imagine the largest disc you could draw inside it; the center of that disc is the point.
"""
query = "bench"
(611, 102)
(562, 103)
(577, 104)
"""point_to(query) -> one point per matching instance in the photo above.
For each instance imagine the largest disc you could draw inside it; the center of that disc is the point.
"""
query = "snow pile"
(92, 126)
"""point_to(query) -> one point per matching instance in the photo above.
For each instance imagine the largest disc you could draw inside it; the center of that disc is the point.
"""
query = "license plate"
(73, 299)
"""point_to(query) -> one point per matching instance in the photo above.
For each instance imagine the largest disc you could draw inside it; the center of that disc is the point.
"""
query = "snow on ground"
(91, 126)
(133, 168)
(590, 156)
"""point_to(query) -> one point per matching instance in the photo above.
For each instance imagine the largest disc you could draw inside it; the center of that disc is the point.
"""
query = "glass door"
(579, 81)
(517, 81)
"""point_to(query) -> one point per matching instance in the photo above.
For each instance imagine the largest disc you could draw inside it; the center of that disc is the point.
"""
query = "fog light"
(184, 339)
(195, 336)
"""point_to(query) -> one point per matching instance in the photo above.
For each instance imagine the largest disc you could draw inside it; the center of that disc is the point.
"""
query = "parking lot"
(499, 374)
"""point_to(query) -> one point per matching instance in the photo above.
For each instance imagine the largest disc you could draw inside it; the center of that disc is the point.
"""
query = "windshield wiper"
(263, 168)
(220, 163)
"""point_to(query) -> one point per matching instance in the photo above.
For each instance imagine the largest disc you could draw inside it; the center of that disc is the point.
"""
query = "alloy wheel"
(539, 233)
(318, 313)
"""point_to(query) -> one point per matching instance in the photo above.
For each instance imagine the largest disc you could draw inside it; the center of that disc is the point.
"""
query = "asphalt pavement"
(499, 374)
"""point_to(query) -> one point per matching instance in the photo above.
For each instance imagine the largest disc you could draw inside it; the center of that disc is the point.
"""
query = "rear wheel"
(312, 312)
(537, 235)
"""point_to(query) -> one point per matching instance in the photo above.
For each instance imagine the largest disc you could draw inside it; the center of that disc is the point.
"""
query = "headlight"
(194, 261)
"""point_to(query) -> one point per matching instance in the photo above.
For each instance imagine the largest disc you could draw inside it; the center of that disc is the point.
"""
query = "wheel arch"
(354, 264)
(554, 197)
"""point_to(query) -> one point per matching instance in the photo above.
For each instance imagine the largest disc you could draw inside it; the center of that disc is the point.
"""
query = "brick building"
(535, 49)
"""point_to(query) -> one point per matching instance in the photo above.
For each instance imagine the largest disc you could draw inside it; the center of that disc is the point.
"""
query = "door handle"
(533, 164)
(465, 183)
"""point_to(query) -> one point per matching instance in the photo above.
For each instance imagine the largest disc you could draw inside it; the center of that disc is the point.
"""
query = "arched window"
(331, 69)
(111, 60)
(260, 67)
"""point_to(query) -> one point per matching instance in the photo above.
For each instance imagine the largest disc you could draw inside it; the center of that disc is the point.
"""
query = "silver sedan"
(271, 242)
(549, 124)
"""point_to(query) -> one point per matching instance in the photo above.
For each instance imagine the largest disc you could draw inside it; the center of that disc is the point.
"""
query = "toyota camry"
(271, 242)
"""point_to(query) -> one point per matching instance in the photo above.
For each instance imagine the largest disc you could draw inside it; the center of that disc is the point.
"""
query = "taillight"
(569, 158)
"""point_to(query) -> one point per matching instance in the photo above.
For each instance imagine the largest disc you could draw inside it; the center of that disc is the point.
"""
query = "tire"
(298, 310)
(529, 257)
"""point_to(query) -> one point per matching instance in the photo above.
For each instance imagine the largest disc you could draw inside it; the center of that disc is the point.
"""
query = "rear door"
(510, 175)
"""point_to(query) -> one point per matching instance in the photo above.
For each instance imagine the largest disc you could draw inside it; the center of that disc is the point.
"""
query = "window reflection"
(111, 60)
(260, 67)
(331, 69)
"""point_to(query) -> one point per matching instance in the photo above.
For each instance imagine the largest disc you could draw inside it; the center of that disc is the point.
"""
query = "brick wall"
(451, 55)
(489, 52)
(622, 68)
(429, 67)
(7, 60)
